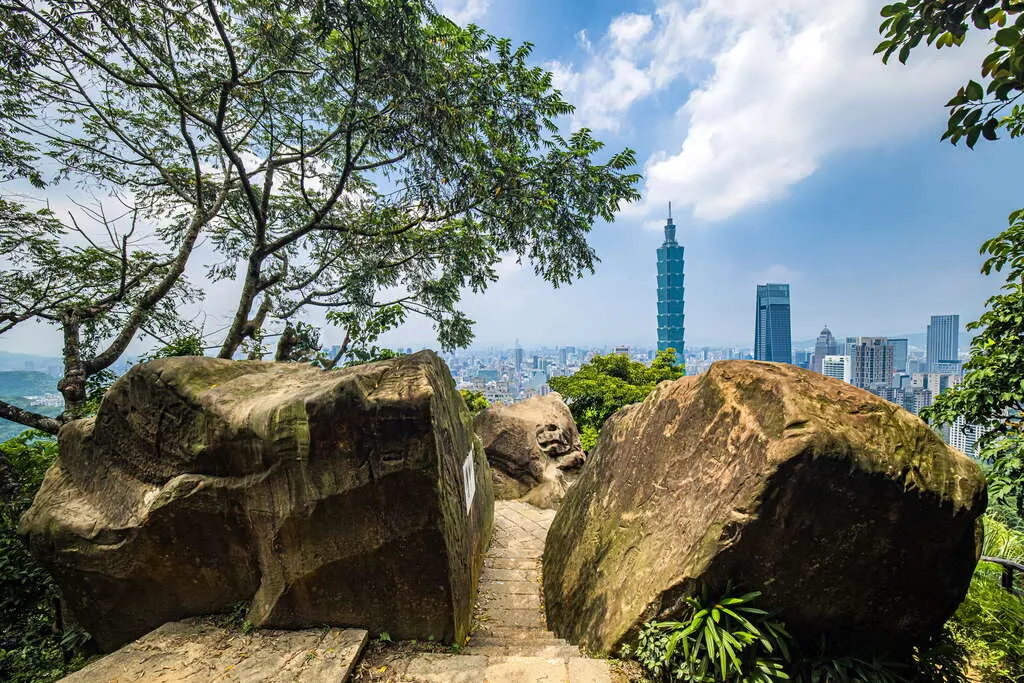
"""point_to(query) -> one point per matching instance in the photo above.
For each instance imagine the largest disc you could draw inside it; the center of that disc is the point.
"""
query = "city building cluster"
(510, 375)
(887, 367)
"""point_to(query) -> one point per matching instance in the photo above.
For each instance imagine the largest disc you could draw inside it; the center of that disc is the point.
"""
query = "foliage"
(729, 638)
(606, 383)
(720, 640)
(369, 157)
(979, 109)
(33, 647)
(992, 393)
(475, 400)
(988, 627)
(187, 345)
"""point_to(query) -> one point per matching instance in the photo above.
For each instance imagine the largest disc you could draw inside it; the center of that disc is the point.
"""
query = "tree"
(475, 400)
(606, 383)
(369, 157)
(992, 393)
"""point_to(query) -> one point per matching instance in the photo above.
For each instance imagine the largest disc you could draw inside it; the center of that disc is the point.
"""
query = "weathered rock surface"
(849, 513)
(357, 497)
(533, 448)
(197, 650)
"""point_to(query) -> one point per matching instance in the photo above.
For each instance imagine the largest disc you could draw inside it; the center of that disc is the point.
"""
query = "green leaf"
(1007, 37)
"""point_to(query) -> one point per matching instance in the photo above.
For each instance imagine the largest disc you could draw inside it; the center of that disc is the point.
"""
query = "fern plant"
(723, 640)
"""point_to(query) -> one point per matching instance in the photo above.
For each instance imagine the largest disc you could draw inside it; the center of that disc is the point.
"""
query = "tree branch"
(28, 418)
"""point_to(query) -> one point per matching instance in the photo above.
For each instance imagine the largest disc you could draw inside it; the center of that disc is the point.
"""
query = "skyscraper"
(899, 358)
(872, 363)
(943, 340)
(772, 340)
(825, 346)
(670, 291)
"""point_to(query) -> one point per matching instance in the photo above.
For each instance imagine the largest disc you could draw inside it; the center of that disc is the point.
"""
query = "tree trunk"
(72, 385)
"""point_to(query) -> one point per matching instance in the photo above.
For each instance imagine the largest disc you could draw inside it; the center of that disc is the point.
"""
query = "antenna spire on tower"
(670, 210)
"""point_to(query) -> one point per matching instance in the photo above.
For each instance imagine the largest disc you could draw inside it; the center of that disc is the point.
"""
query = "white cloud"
(627, 30)
(779, 87)
(463, 11)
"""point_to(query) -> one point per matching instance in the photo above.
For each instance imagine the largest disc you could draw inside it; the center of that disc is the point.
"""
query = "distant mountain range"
(26, 361)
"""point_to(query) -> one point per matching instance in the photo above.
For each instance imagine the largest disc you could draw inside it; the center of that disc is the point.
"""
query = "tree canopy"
(992, 392)
(368, 157)
(606, 383)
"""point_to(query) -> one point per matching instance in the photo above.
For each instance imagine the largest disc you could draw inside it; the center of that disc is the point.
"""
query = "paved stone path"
(511, 643)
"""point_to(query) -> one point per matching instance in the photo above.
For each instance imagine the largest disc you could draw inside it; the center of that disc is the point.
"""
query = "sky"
(790, 153)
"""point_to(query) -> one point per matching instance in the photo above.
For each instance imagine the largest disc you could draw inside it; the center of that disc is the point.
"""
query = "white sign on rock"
(469, 479)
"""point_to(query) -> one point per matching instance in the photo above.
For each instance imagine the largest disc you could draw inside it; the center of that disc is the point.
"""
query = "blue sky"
(790, 154)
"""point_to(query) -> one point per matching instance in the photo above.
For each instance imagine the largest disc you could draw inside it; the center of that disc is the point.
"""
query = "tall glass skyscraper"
(772, 340)
(670, 292)
(943, 341)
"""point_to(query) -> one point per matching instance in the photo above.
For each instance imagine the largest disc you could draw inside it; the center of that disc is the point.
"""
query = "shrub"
(33, 645)
(475, 401)
(721, 640)
(989, 624)
(731, 640)
(606, 383)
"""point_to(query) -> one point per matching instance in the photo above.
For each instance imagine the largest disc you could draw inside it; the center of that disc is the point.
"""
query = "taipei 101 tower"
(670, 292)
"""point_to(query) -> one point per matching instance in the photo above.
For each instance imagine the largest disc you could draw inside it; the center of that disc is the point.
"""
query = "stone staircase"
(511, 643)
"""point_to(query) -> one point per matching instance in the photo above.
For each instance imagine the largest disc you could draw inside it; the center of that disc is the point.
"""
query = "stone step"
(474, 668)
(513, 633)
(517, 618)
(496, 603)
(534, 644)
(523, 650)
(542, 639)
(510, 563)
(495, 574)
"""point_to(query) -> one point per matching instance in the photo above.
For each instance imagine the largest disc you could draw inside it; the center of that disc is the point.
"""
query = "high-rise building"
(916, 399)
(836, 366)
(772, 340)
(872, 359)
(825, 346)
(943, 340)
(670, 292)
(899, 354)
(964, 437)
(518, 358)
(621, 350)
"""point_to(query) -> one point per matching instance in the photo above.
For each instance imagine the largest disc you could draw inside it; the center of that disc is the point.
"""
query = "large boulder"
(533, 448)
(849, 513)
(357, 497)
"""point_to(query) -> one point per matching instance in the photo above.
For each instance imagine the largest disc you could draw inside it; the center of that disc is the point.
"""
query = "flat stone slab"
(198, 650)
